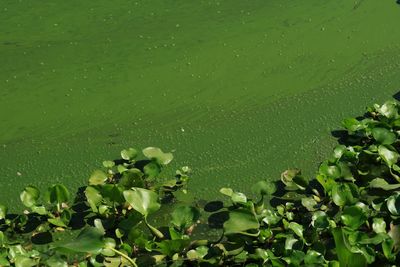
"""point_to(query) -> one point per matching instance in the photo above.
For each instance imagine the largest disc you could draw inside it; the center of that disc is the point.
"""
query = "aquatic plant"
(349, 215)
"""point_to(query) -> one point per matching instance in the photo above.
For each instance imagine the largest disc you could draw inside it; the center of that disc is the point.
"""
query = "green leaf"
(184, 216)
(3, 211)
(240, 221)
(383, 184)
(108, 164)
(393, 204)
(23, 261)
(346, 257)
(384, 136)
(29, 196)
(93, 197)
(264, 188)
(313, 258)
(271, 217)
(388, 109)
(379, 225)
(143, 200)
(97, 178)
(353, 217)
(352, 124)
(155, 153)
(152, 170)
(342, 194)
(132, 178)
(389, 156)
(88, 241)
(309, 203)
(320, 220)
(296, 228)
(57, 193)
(129, 154)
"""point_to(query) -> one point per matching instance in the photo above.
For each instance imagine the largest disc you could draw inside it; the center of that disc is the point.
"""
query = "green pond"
(240, 90)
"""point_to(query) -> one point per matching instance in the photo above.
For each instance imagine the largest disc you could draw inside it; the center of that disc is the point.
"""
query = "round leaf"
(98, 178)
(143, 200)
(158, 155)
(383, 136)
(30, 196)
(184, 216)
(129, 154)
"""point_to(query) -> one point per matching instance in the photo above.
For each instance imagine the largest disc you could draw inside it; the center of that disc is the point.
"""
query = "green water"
(240, 90)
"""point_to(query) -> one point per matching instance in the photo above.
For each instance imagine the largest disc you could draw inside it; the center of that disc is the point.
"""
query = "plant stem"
(125, 256)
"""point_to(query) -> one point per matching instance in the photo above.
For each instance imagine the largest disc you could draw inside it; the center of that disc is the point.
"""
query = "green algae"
(240, 89)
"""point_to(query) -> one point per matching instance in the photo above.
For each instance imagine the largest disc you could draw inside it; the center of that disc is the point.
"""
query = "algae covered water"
(240, 90)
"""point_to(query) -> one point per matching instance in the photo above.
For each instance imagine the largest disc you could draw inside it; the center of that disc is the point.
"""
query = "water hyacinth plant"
(348, 215)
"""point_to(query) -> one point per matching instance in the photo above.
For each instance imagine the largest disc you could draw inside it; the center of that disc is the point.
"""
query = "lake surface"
(240, 90)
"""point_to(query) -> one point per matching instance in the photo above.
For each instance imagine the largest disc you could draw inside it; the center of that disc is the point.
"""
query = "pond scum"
(347, 216)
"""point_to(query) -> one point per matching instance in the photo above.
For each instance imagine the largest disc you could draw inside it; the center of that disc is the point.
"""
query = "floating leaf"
(29, 196)
(309, 203)
(393, 204)
(129, 154)
(296, 228)
(57, 194)
(353, 217)
(379, 225)
(264, 188)
(383, 136)
(184, 216)
(97, 178)
(383, 184)
(155, 153)
(88, 241)
(388, 109)
(389, 156)
(93, 197)
(108, 164)
(143, 200)
(3, 211)
(342, 194)
(240, 221)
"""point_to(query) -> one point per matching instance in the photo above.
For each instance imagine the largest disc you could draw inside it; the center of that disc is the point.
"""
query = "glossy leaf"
(143, 200)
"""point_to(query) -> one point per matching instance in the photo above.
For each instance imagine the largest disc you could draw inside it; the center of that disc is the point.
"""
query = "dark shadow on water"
(213, 206)
(397, 95)
(216, 220)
